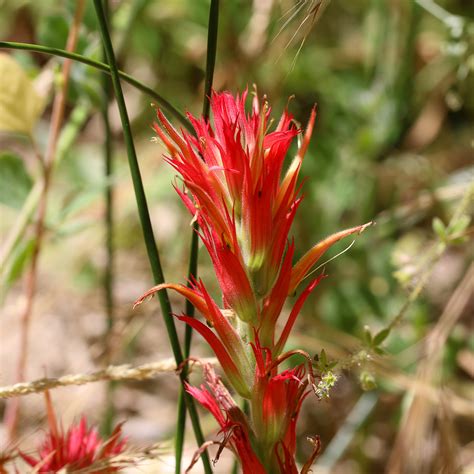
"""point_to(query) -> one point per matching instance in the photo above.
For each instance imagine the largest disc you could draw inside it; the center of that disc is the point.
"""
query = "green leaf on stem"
(381, 336)
(15, 182)
(439, 228)
(20, 258)
(459, 226)
(367, 336)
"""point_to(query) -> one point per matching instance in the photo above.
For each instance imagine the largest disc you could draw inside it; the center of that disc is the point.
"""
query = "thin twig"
(69, 133)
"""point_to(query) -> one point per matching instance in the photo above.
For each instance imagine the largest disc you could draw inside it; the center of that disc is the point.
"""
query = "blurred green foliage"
(393, 81)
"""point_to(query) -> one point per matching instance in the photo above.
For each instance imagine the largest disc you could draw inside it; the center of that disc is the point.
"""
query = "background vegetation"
(393, 81)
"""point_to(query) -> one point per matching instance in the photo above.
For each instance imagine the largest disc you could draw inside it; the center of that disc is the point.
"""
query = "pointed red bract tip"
(311, 257)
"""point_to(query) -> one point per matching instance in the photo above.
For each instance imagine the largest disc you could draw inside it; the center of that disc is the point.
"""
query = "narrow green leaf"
(381, 336)
(323, 358)
(15, 182)
(20, 258)
(99, 65)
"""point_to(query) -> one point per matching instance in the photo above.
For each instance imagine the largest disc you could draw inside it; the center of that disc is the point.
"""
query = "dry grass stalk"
(113, 372)
(410, 451)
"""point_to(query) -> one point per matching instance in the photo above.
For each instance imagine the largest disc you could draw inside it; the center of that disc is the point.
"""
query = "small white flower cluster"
(324, 386)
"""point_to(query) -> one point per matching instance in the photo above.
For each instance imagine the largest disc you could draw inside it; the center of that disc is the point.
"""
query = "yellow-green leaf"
(20, 104)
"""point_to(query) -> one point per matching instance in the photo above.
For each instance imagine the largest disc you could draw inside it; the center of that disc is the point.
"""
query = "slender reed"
(12, 411)
(194, 247)
(145, 221)
(108, 277)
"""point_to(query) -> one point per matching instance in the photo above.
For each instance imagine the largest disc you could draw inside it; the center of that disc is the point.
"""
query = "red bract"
(224, 340)
(276, 403)
(79, 448)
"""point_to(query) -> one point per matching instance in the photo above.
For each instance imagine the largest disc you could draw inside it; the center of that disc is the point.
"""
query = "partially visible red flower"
(6, 457)
(79, 448)
(238, 434)
(276, 403)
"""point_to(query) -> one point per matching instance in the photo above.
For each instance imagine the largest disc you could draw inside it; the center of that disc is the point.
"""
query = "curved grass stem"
(102, 67)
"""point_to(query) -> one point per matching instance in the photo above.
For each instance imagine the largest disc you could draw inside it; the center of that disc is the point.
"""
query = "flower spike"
(236, 189)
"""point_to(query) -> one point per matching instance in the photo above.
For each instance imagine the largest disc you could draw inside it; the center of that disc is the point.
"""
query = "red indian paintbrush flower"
(238, 196)
(236, 190)
(80, 447)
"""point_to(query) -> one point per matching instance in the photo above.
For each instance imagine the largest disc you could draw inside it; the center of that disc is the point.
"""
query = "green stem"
(108, 170)
(211, 55)
(102, 67)
(109, 229)
(194, 249)
(145, 221)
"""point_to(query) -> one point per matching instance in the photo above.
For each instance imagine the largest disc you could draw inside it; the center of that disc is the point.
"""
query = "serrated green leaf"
(381, 336)
(15, 182)
(20, 104)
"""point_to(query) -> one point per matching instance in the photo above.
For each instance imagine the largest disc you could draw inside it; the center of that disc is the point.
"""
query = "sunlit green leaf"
(439, 228)
(460, 225)
(20, 104)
